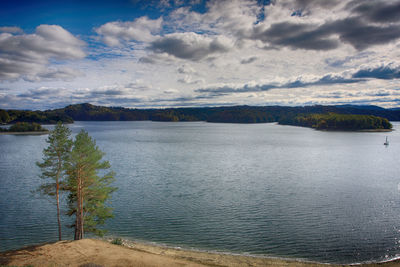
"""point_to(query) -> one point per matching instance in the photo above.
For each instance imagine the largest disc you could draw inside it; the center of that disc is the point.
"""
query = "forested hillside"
(234, 114)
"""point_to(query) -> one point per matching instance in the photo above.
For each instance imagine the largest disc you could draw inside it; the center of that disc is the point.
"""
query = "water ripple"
(257, 189)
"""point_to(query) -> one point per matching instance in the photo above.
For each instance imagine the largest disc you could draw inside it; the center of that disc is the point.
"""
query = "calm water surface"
(262, 189)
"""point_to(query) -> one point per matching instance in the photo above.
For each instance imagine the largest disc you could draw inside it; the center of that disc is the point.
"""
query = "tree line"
(24, 127)
(42, 117)
(233, 114)
(333, 121)
(72, 166)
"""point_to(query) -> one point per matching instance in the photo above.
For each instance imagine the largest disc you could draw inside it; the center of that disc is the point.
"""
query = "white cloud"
(227, 17)
(27, 55)
(11, 29)
(188, 79)
(186, 69)
(190, 45)
(64, 74)
(142, 29)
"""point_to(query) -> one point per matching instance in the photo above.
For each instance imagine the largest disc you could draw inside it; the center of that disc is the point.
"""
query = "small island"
(339, 122)
(25, 128)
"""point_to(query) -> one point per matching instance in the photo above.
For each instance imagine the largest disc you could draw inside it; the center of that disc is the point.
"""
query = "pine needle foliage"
(53, 166)
(89, 190)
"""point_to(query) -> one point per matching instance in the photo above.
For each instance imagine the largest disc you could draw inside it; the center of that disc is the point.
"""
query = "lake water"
(260, 189)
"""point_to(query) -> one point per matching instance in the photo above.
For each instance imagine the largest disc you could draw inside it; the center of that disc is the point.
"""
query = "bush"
(117, 241)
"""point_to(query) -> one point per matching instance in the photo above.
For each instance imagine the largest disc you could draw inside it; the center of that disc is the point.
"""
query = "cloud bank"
(194, 53)
(27, 55)
(190, 46)
(382, 72)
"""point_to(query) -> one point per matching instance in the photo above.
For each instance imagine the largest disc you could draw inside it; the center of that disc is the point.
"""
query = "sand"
(95, 253)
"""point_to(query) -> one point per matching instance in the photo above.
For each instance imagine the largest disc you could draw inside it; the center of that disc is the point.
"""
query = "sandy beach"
(95, 253)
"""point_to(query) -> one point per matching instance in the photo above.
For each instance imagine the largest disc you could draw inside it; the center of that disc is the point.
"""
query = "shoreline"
(24, 133)
(377, 130)
(356, 131)
(340, 130)
(149, 245)
(132, 253)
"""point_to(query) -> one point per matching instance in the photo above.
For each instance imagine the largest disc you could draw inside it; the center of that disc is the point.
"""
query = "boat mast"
(386, 142)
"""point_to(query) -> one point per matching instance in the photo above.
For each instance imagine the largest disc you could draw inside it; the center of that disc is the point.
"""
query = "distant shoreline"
(25, 133)
(377, 130)
(351, 131)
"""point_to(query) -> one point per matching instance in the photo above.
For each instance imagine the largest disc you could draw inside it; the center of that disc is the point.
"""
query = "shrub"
(117, 241)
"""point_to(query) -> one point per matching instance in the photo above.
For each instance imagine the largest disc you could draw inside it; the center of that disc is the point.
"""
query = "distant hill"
(367, 107)
(234, 114)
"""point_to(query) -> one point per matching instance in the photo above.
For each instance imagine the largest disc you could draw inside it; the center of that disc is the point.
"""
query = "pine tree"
(53, 166)
(88, 190)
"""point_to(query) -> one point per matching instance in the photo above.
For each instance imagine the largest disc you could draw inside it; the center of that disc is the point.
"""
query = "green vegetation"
(73, 166)
(234, 114)
(24, 127)
(4, 117)
(43, 117)
(117, 241)
(55, 157)
(333, 121)
(88, 190)
(242, 116)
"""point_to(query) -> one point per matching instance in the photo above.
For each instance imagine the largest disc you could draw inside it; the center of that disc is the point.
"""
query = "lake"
(259, 189)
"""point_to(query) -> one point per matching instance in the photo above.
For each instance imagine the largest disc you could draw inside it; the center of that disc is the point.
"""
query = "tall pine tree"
(88, 190)
(53, 166)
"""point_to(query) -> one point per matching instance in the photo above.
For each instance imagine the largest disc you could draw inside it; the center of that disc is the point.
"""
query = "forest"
(233, 114)
(341, 122)
(24, 127)
(42, 117)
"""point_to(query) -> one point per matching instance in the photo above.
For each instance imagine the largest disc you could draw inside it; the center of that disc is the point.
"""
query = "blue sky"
(79, 17)
(176, 53)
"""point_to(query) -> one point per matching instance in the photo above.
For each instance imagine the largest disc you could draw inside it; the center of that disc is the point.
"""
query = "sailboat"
(386, 142)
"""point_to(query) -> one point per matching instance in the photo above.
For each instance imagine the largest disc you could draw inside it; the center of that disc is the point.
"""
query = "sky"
(195, 53)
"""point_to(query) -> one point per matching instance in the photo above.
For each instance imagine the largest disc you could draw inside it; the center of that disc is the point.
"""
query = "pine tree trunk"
(58, 210)
(78, 234)
(58, 193)
(77, 214)
(82, 217)
(80, 209)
